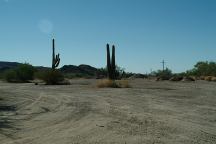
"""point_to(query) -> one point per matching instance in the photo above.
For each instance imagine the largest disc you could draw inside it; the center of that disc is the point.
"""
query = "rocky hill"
(81, 69)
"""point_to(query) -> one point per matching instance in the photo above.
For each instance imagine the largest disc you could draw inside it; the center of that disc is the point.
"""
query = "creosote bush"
(51, 77)
(106, 83)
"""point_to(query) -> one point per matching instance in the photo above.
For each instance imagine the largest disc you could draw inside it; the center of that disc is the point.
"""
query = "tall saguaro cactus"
(55, 58)
(108, 62)
(111, 66)
(113, 62)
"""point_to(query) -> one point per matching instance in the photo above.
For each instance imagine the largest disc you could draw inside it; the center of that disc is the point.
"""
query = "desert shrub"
(189, 79)
(51, 77)
(39, 74)
(210, 78)
(1, 75)
(176, 78)
(202, 77)
(10, 76)
(213, 79)
(22, 73)
(163, 75)
(120, 72)
(25, 72)
(123, 83)
(102, 72)
(106, 83)
(127, 74)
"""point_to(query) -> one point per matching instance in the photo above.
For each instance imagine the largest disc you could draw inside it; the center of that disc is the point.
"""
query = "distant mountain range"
(81, 69)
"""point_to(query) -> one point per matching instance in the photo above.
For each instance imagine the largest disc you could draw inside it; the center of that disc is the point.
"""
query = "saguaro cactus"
(113, 63)
(111, 66)
(108, 62)
(55, 58)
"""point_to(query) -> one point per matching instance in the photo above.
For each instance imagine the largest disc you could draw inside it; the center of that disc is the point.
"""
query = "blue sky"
(145, 32)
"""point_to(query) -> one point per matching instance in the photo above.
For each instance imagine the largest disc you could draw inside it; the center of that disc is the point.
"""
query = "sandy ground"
(148, 113)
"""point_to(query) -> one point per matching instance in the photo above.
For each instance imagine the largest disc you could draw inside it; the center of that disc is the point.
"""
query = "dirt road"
(148, 113)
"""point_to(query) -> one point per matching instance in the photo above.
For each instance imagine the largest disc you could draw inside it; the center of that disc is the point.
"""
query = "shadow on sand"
(7, 126)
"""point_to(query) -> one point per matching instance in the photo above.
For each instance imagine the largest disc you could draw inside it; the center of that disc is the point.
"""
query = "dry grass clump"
(123, 83)
(208, 78)
(106, 83)
(213, 79)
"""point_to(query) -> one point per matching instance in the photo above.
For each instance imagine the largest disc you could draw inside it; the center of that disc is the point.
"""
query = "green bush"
(51, 77)
(1, 75)
(203, 69)
(10, 76)
(22, 73)
(25, 72)
(164, 75)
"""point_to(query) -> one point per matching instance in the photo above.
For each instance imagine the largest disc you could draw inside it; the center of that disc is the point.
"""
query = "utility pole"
(163, 62)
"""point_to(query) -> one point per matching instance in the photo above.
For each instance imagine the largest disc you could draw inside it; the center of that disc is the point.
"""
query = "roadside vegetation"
(203, 69)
